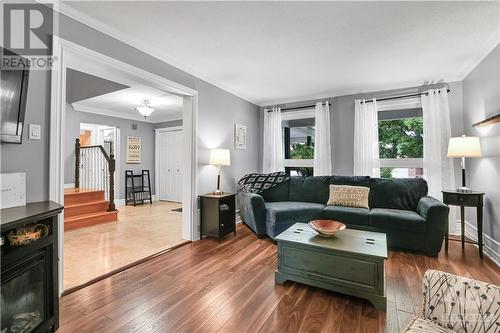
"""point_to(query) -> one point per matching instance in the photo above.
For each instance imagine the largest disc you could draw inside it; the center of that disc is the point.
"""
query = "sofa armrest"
(253, 211)
(435, 214)
(459, 303)
(431, 208)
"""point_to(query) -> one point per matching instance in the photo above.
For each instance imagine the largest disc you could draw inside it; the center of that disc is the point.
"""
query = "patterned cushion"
(349, 196)
(420, 325)
(257, 183)
(461, 304)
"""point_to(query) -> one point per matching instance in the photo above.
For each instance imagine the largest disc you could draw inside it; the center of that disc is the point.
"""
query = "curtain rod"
(295, 107)
(402, 96)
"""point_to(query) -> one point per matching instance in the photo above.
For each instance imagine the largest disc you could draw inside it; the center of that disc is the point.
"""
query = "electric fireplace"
(29, 286)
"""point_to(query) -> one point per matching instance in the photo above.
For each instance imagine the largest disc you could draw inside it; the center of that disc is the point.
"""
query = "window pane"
(298, 138)
(401, 138)
(401, 172)
(296, 171)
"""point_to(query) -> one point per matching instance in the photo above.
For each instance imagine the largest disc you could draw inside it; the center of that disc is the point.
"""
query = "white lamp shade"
(464, 146)
(220, 157)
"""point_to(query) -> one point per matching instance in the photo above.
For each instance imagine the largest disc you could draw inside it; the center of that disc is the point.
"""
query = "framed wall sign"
(134, 147)
(240, 136)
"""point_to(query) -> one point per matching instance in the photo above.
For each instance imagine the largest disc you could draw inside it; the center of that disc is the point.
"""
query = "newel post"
(112, 183)
(77, 163)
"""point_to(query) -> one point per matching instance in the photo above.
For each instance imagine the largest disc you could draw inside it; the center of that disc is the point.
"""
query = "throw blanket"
(257, 183)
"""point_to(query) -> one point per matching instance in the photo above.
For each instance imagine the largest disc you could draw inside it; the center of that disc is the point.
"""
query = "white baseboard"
(69, 185)
(490, 246)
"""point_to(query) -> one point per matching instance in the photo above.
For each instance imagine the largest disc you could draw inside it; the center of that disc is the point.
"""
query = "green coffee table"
(352, 262)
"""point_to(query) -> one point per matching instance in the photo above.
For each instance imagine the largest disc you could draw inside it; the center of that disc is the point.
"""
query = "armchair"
(453, 303)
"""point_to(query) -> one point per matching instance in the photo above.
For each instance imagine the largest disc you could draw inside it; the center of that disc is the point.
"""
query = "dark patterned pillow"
(258, 182)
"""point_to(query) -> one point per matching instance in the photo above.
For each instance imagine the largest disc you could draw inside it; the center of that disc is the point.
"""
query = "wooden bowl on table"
(327, 228)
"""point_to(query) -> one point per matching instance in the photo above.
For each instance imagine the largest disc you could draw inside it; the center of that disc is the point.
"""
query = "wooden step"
(74, 196)
(85, 208)
(86, 220)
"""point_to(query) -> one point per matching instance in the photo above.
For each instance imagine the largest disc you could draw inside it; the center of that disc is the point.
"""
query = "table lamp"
(219, 157)
(464, 146)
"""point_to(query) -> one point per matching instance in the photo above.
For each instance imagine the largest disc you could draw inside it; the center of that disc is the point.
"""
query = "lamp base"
(464, 189)
(218, 192)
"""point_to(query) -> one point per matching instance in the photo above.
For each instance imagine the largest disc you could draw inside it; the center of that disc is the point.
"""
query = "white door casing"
(71, 55)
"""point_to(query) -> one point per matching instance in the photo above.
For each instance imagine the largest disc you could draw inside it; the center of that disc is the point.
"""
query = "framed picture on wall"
(240, 136)
(134, 146)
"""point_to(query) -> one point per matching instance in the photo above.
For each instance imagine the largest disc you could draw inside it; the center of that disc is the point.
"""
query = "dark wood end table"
(466, 199)
(218, 215)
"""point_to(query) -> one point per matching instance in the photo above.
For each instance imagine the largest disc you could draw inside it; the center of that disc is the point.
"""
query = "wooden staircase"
(83, 208)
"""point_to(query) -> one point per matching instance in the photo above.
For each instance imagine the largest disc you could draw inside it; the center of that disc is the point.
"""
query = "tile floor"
(140, 232)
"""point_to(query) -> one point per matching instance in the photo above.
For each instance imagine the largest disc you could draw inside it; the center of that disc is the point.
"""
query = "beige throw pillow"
(349, 196)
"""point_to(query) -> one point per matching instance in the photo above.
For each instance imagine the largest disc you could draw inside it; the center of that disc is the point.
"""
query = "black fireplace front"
(29, 295)
(25, 294)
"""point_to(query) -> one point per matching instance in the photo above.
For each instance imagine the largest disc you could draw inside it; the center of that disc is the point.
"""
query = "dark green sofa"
(398, 207)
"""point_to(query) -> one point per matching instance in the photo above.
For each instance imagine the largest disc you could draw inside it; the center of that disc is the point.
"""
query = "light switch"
(34, 132)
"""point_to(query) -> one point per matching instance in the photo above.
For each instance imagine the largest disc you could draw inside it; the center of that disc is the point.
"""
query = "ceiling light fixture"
(144, 109)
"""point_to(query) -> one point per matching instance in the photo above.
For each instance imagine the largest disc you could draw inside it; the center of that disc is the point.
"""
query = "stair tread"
(72, 191)
(88, 203)
(89, 215)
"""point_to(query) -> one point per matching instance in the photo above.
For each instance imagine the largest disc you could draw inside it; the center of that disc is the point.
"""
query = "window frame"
(395, 105)
(297, 115)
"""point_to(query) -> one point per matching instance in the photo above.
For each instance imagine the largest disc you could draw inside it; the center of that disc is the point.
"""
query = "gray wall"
(482, 100)
(32, 156)
(218, 110)
(82, 86)
(144, 130)
(342, 121)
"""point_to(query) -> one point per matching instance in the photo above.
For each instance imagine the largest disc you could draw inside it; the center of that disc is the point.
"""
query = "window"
(298, 142)
(401, 145)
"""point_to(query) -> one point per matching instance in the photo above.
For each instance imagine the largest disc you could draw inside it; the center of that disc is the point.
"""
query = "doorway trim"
(71, 55)
(157, 154)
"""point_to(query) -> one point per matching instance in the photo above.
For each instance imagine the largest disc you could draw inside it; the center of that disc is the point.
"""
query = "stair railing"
(94, 169)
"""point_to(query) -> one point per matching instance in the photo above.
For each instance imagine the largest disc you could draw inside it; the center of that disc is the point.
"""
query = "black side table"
(466, 199)
(218, 215)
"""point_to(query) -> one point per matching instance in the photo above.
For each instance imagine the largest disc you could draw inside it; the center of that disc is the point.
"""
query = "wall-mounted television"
(13, 91)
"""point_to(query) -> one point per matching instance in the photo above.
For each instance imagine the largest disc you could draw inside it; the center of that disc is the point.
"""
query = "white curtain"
(322, 143)
(366, 152)
(273, 142)
(438, 168)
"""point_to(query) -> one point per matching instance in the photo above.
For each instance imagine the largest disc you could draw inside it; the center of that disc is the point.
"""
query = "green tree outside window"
(400, 138)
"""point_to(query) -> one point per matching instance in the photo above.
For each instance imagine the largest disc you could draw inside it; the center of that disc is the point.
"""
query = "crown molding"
(357, 91)
(117, 114)
(489, 46)
(147, 48)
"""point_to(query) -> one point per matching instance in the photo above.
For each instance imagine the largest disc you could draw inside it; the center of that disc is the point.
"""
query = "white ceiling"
(122, 104)
(267, 52)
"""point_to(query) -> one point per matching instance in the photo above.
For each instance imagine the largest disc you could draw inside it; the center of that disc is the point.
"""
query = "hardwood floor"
(141, 231)
(229, 286)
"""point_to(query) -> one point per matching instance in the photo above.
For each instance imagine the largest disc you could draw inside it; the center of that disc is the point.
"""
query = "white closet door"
(178, 165)
(170, 159)
(163, 165)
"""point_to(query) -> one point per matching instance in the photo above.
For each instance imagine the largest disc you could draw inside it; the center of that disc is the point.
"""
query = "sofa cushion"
(349, 196)
(397, 219)
(310, 189)
(401, 193)
(350, 180)
(347, 215)
(292, 211)
(279, 192)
